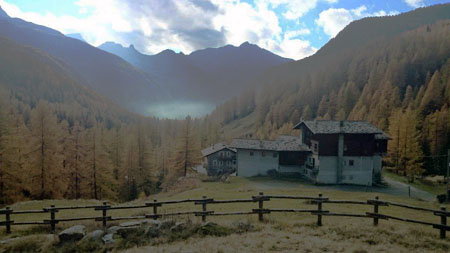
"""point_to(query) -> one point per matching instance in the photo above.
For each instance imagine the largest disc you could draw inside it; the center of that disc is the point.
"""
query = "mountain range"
(140, 82)
(212, 75)
(105, 73)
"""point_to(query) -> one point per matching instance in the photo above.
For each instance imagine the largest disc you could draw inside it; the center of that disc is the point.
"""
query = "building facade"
(343, 152)
(258, 157)
(219, 159)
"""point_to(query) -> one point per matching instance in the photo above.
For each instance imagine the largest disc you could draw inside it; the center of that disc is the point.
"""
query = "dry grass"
(281, 231)
(300, 237)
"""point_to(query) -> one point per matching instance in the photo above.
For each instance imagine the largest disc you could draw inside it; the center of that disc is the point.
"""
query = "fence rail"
(320, 201)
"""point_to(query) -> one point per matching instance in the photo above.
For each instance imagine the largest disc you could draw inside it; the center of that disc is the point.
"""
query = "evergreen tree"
(45, 159)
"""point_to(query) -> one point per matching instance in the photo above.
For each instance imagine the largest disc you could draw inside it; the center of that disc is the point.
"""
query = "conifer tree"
(188, 151)
(45, 159)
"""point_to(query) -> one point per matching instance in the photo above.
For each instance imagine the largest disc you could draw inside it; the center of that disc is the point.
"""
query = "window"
(351, 162)
(214, 162)
(263, 154)
(228, 154)
(234, 162)
(275, 155)
(220, 163)
(251, 153)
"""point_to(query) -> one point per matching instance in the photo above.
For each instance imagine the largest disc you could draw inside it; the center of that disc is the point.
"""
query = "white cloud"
(384, 13)
(153, 25)
(297, 8)
(359, 11)
(260, 25)
(332, 21)
(293, 34)
(415, 3)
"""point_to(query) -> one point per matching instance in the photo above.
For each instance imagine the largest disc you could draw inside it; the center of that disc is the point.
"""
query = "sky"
(290, 28)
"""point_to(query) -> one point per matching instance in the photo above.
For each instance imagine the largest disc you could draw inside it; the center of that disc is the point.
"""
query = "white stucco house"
(325, 152)
(257, 157)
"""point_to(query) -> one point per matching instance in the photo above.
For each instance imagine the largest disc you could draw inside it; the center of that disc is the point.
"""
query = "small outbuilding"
(219, 159)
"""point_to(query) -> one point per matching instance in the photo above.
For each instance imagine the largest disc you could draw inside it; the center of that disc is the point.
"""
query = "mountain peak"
(167, 52)
(247, 44)
(77, 36)
(3, 13)
(111, 44)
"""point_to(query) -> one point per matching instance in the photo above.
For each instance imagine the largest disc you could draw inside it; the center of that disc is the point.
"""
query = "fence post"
(8, 220)
(443, 222)
(155, 210)
(375, 211)
(104, 218)
(204, 209)
(52, 219)
(260, 205)
(319, 210)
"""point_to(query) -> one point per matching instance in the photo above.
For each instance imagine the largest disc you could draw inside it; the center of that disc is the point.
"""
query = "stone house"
(219, 159)
(343, 152)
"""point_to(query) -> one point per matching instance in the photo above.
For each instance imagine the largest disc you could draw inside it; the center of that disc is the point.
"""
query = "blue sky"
(291, 28)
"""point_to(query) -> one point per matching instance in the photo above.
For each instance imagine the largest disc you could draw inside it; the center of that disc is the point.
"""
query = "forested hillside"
(59, 139)
(396, 77)
(104, 73)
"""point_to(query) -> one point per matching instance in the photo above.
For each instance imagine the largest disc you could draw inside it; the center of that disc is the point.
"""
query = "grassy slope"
(431, 188)
(288, 232)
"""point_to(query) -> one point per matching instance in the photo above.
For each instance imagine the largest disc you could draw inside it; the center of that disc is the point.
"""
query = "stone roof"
(382, 136)
(215, 148)
(284, 143)
(336, 126)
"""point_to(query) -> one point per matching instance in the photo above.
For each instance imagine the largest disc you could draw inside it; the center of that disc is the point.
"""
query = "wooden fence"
(204, 202)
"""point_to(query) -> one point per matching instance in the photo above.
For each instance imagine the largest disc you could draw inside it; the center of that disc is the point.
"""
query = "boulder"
(108, 239)
(113, 230)
(140, 223)
(124, 232)
(154, 223)
(6, 241)
(166, 224)
(152, 231)
(242, 227)
(178, 227)
(74, 233)
(211, 228)
(94, 235)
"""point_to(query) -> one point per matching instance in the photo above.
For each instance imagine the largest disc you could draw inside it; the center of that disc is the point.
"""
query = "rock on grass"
(74, 233)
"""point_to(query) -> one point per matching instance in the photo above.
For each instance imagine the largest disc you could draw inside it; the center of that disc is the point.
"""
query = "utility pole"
(448, 169)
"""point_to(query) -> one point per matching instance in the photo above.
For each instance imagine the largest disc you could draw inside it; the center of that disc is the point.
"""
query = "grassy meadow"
(279, 231)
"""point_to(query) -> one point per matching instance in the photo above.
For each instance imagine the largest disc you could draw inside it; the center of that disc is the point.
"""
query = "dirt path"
(393, 187)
